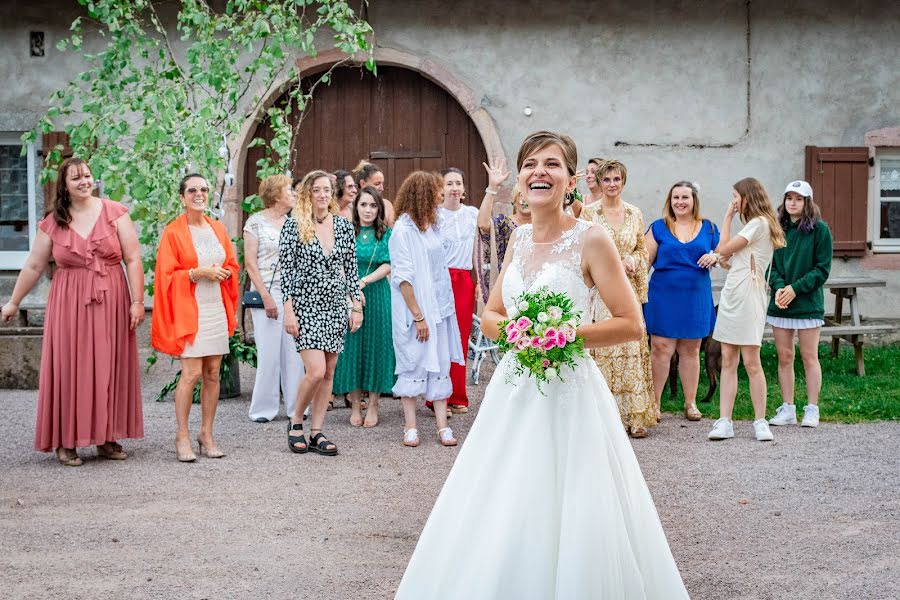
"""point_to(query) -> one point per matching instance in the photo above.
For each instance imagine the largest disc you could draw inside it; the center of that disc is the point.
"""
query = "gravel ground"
(813, 515)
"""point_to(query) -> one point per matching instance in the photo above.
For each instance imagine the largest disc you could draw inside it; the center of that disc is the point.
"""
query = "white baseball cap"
(799, 187)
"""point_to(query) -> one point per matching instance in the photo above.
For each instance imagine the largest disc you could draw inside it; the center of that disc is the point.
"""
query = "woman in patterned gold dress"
(626, 366)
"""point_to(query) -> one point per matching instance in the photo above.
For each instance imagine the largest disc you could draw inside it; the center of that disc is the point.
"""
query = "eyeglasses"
(193, 190)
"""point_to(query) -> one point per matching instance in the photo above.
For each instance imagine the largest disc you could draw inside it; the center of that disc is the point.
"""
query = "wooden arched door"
(400, 121)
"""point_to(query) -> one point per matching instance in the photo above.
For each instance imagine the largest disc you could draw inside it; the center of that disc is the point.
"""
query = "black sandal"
(297, 439)
(320, 445)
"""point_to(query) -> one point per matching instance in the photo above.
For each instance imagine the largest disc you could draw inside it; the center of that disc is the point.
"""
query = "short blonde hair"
(270, 188)
(612, 165)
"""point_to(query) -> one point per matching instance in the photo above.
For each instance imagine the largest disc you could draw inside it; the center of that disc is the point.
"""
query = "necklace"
(322, 220)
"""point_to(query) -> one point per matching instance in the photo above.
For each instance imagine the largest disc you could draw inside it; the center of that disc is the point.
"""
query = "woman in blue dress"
(679, 310)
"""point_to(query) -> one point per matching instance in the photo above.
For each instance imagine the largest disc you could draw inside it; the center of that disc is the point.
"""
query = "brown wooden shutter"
(49, 141)
(839, 178)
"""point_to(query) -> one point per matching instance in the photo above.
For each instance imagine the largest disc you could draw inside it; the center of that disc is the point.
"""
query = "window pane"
(890, 220)
(13, 199)
(890, 178)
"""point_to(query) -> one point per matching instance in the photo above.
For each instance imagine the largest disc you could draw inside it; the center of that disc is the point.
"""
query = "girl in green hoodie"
(799, 272)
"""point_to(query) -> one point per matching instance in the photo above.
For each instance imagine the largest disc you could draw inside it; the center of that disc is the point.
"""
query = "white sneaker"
(722, 430)
(810, 416)
(785, 415)
(762, 431)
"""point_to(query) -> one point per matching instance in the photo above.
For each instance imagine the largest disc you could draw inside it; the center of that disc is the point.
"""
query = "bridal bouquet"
(541, 333)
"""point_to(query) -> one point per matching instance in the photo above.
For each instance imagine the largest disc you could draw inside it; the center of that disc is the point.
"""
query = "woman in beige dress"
(744, 302)
(195, 306)
(626, 367)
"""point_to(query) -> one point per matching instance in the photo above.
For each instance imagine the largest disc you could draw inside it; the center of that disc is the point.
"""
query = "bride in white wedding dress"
(546, 498)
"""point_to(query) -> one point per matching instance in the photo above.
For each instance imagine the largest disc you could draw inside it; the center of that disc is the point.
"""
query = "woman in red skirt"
(458, 226)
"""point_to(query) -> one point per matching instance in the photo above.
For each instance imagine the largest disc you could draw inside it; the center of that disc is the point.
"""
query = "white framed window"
(18, 200)
(886, 202)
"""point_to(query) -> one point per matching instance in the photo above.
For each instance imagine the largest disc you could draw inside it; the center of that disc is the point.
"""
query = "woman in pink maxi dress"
(89, 391)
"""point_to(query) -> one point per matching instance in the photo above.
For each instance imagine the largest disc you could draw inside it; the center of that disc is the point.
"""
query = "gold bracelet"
(356, 310)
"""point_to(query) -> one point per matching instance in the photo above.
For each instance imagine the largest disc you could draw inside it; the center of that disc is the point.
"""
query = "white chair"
(479, 348)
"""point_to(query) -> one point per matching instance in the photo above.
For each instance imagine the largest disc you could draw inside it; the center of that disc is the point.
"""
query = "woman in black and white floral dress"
(317, 251)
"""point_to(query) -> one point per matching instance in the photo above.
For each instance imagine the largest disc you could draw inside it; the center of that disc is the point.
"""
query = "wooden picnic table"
(853, 332)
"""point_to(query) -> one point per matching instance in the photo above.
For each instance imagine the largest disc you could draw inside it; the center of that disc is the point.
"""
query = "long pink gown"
(90, 391)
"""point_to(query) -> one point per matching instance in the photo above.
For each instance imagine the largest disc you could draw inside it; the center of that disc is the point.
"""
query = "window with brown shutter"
(839, 178)
(49, 142)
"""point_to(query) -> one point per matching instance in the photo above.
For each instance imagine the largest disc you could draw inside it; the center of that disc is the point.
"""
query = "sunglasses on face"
(193, 190)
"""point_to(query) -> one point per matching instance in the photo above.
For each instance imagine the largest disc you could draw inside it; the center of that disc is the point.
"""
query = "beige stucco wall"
(708, 91)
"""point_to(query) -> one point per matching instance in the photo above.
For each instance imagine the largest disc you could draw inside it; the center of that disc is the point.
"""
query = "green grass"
(845, 398)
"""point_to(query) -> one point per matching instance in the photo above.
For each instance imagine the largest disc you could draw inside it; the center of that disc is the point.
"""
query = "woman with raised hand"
(367, 362)
(423, 313)
(743, 302)
(279, 367)
(89, 392)
(679, 310)
(625, 366)
(799, 273)
(502, 225)
(195, 309)
(317, 251)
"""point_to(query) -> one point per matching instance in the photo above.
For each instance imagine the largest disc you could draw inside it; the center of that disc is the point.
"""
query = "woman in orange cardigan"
(195, 309)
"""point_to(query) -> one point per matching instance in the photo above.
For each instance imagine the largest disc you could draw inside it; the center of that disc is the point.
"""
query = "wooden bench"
(853, 332)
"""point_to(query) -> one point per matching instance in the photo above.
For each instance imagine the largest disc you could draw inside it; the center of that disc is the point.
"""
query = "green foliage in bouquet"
(541, 331)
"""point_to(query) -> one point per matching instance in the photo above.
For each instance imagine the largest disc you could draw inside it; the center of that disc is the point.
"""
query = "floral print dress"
(626, 367)
(316, 284)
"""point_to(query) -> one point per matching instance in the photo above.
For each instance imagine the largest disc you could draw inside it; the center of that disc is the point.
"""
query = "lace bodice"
(556, 265)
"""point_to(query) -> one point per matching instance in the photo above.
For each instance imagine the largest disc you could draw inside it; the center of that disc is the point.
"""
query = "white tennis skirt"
(787, 323)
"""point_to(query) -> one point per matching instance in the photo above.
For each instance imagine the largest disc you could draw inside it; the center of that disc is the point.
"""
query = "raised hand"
(497, 172)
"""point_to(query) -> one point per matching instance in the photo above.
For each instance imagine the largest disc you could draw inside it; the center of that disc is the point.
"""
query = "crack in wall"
(710, 145)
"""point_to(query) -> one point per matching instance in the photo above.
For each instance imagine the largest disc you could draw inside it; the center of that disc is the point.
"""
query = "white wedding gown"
(546, 499)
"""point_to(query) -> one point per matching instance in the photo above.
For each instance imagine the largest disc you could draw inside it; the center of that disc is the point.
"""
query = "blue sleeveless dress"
(679, 301)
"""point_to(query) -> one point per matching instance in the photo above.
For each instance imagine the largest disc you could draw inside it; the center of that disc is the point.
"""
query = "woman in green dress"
(367, 362)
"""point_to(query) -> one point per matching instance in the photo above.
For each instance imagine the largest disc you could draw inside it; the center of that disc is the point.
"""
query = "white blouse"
(458, 229)
(267, 234)
(418, 258)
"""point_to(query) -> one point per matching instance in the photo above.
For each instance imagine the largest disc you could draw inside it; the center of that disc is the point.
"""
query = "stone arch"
(426, 67)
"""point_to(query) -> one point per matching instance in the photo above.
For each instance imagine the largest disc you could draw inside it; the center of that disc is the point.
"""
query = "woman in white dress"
(423, 314)
(744, 301)
(546, 499)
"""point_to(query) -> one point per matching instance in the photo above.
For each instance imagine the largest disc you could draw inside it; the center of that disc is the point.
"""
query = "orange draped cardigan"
(175, 313)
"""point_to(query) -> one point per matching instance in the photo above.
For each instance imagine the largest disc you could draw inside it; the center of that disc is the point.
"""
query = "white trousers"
(279, 368)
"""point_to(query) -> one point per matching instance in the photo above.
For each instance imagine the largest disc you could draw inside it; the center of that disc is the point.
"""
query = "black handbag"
(252, 298)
